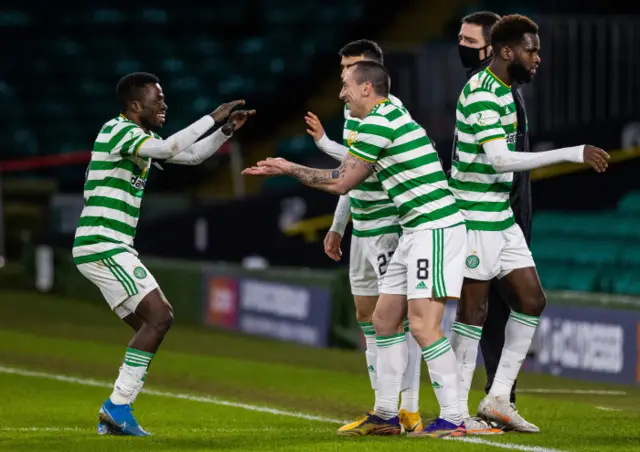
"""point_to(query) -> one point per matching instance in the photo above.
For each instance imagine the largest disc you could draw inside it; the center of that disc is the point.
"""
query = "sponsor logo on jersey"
(138, 182)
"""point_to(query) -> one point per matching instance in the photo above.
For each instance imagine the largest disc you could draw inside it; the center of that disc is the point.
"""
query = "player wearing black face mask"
(475, 55)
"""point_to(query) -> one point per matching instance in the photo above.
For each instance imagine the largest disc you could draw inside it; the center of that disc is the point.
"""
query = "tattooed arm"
(351, 173)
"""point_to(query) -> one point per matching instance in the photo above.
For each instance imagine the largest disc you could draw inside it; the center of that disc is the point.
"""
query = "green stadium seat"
(549, 223)
(584, 279)
(630, 257)
(128, 65)
(626, 228)
(14, 18)
(626, 281)
(111, 16)
(630, 204)
(90, 50)
(568, 277)
(154, 16)
(552, 276)
(576, 251)
(185, 83)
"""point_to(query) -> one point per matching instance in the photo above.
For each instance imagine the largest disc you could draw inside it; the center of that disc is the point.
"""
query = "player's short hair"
(485, 19)
(132, 86)
(370, 49)
(374, 73)
(510, 30)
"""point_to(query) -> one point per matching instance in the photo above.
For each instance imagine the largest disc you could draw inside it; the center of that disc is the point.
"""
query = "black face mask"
(470, 57)
(518, 73)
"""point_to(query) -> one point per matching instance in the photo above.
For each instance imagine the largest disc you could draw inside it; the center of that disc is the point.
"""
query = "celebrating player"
(427, 266)
(376, 230)
(103, 248)
(481, 180)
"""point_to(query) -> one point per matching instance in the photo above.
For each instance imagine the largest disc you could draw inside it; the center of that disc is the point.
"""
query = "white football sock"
(410, 396)
(442, 366)
(392, 362)
(464, 341)
(517, 340)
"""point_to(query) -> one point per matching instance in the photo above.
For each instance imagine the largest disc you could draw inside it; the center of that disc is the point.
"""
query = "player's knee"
(424, 330)
(365, 305)
(382, 326)
(472, 313)
(534, 304)
(162, 320)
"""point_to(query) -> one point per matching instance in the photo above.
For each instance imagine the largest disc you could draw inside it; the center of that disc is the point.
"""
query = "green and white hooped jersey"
(486, 111)
(372, 212)
(113, 190)
(408, 168)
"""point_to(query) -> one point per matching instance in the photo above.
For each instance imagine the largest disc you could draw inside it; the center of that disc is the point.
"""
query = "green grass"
(50, 334)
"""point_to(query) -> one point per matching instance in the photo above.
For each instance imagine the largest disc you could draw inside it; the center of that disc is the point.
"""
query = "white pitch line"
(248, 407)
(476, 440)
(40, 429)
(571, 391)
(606, 408)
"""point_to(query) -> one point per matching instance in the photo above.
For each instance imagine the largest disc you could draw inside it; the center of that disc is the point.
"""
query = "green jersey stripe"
(490, 225)
(108, 223)
(98, 256)
(502, 187)
(416, 183)
(474, 168)
(111, 203)
(400, 167)
(376, 215)
(113, 140)
(366, 204)
(482, 206)
(94, 240)
(393, 229)
(114, 183)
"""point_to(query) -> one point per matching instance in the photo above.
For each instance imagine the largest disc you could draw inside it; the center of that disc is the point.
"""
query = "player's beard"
(518, 73)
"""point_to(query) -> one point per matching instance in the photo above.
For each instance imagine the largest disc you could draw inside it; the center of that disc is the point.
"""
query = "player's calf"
(466, 332)
(519, 333)
(425, 317)
(157, 316)
(392, 354)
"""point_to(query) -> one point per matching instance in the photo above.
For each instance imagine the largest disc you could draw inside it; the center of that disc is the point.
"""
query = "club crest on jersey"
(138, 182)
(351, 137)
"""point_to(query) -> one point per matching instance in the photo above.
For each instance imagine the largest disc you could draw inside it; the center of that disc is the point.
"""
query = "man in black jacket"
(475, 53)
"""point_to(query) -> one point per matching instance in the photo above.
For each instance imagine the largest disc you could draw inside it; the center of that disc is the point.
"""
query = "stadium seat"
(626, 281)
(630, 204)
(200, 62)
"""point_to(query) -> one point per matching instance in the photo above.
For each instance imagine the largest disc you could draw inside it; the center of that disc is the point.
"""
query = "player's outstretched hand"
(237, 120)
(332, 245)
(268, 167)
(221, 113)
(596, 157)
(315, 126)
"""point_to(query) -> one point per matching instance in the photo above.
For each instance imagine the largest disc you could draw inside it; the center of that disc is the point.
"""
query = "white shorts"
(122, 279)
(496, 253)
(428, 264)
(369, 260)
